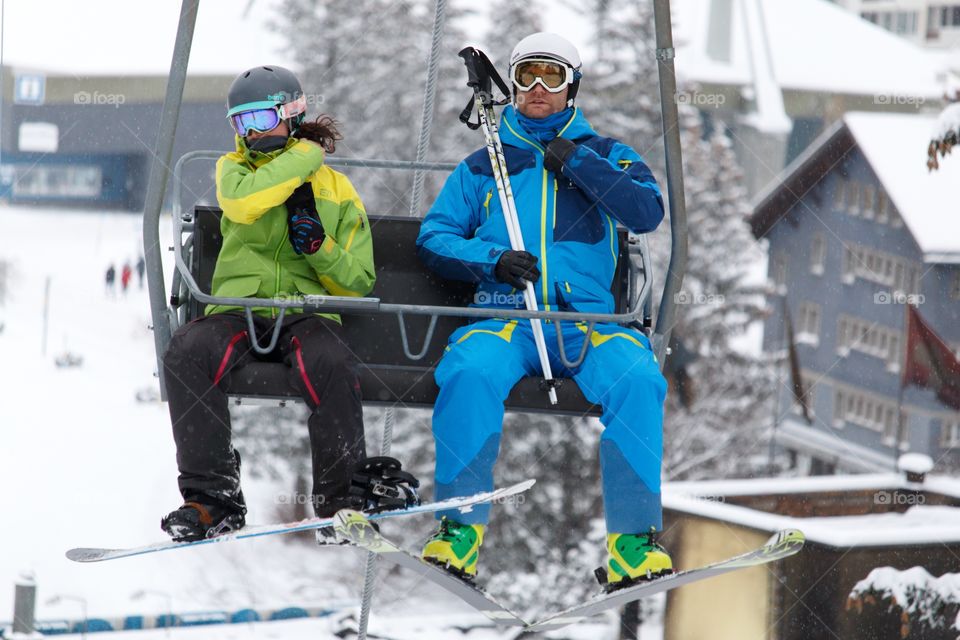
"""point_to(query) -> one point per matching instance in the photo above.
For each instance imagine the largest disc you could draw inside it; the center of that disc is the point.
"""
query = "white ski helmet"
(551, 46)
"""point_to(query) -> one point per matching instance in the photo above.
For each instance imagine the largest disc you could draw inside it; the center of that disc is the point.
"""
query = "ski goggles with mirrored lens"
(552, 75)
(266, 119)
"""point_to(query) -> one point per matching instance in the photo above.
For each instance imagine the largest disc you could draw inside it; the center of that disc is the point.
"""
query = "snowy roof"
(917, 525)
(895, 147)
(813, 45)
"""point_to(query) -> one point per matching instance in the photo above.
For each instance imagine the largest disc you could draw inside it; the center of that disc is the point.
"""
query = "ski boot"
(633, 558)
(204, 517)
(455, 547)
(378, 484)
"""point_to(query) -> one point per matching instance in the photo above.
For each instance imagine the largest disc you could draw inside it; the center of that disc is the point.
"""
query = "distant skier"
(141, 267)
(110, 278)
(125, 276)
(279, 239)
(571, 188)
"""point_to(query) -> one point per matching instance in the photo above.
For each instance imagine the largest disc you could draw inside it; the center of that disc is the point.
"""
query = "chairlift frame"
(166, 315)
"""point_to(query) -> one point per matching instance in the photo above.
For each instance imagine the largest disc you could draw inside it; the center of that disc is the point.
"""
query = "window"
(880, 207)
(866, 201)
(864, 409)
(853, 197)
(778, 271)
(808, 325)
(866, 336)
(839, 191)
(950, 435)
(885, 269)
(955, 285)
(818, 255)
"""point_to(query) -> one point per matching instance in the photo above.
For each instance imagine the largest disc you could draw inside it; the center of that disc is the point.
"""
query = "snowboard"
(781, 545)
(356, 529)
(83, 554)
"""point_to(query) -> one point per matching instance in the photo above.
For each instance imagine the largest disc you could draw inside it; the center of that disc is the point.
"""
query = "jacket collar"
(257, 158)
(513, 134)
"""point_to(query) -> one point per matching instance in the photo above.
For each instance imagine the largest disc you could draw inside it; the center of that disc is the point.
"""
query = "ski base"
(83, 554)
(356, 529)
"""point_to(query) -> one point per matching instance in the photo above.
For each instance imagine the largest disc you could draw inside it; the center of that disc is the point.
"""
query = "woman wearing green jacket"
(290, 226)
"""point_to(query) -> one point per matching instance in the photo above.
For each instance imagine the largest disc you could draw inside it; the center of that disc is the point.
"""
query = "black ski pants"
(321, 368)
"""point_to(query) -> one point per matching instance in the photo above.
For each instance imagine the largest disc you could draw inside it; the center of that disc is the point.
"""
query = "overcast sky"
(133, 36)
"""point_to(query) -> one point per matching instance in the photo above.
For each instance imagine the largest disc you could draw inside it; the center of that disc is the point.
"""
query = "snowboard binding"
(380, 484)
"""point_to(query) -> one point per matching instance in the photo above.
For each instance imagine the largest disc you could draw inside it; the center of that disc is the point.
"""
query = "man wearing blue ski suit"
(571, 188)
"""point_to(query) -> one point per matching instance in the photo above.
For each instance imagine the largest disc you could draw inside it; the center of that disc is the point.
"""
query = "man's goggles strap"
(551, 75)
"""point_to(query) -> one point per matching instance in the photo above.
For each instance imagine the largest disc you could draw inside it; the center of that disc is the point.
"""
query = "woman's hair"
(323, 131)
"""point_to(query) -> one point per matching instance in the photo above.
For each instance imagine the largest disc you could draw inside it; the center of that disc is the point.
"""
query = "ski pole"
(480, 74)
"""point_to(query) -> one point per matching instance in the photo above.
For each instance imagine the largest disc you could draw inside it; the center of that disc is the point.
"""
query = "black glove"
(303, 223)
(557, 153)
(516, 268)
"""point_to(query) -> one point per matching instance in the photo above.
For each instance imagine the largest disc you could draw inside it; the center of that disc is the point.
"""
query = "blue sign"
(29, 88)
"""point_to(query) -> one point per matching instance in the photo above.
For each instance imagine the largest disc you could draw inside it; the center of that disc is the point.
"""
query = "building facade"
(87, 141)
(931, 23)
(856, 233)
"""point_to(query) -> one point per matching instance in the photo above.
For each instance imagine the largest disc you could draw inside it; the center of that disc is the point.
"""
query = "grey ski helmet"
(268, 87)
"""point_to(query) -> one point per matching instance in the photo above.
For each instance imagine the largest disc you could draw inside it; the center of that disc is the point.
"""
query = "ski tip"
(526, 484)
(84, 554)
(788, 538)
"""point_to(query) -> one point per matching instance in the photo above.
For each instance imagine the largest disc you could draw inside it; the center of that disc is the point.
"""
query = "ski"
(782, 545)
(356, 529)
(253, 531)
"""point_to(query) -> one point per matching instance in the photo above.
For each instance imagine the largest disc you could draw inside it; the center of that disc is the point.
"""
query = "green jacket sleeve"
(246, 194)
(344, 262)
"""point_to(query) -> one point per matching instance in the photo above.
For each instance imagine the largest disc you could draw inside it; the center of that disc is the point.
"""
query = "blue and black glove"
(557, 153)
(303, 223)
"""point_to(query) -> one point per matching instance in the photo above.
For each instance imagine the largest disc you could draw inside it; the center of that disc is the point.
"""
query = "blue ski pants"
(483, 362)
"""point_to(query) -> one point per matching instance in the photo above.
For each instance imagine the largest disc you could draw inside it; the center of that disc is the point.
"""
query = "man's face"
(280, 130)
(540, 103)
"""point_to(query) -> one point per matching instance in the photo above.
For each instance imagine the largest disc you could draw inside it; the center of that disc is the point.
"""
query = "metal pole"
(674, 163)
(24, 606)
(430, 92)
(370, 570)
(46, 316)
(157, 186)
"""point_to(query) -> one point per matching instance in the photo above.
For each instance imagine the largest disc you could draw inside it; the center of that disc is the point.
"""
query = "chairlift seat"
(387, 376)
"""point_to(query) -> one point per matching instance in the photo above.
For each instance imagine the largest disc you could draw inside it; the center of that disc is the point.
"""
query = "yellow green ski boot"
(455, 547)
(633, 558)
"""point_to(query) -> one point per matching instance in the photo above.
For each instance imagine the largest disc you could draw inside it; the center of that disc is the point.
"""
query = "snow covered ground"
(83, 463)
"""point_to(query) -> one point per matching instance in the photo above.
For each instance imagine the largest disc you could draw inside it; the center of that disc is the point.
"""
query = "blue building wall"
(824, 363)
(121, 140)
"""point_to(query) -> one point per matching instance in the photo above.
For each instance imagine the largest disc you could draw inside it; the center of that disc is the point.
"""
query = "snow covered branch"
(945, 135)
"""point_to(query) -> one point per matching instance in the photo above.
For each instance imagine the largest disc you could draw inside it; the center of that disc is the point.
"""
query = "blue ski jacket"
(568, 221)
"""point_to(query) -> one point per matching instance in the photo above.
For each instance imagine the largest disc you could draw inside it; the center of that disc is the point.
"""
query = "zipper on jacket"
(276, 284)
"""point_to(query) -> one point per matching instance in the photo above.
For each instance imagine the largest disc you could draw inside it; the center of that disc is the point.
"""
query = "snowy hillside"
(83, 463)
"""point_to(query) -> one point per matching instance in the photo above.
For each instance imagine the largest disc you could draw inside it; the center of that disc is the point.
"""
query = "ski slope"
(83, 463)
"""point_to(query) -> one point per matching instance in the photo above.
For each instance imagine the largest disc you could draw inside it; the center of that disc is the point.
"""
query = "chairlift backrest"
(388, 376)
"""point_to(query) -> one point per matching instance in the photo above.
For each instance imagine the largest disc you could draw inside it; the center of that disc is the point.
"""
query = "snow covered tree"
(511, 22)
(362, 61)
(621, 97)
(906, 604)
